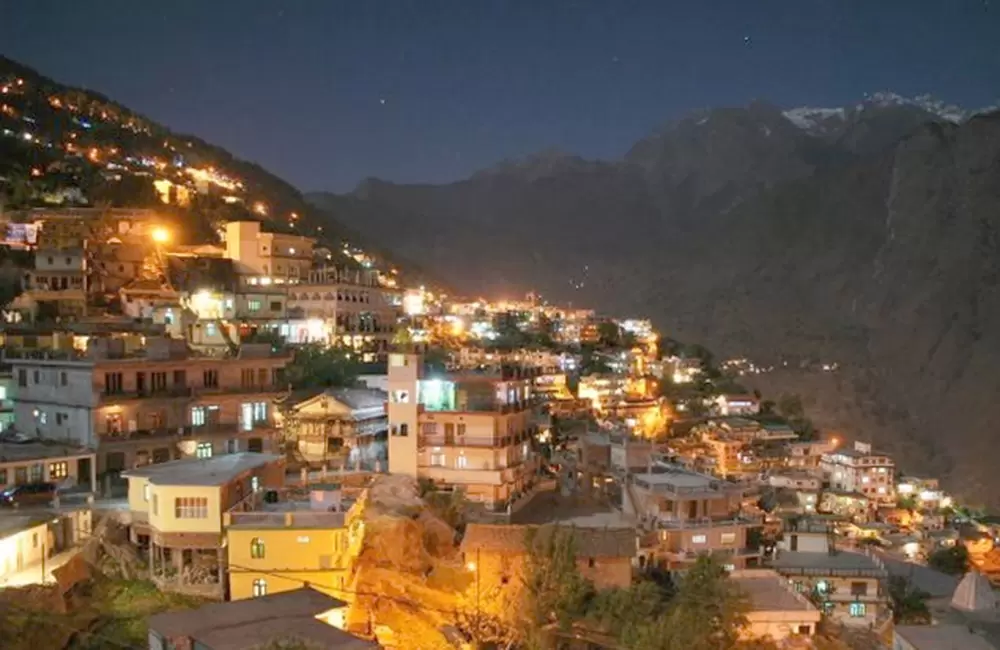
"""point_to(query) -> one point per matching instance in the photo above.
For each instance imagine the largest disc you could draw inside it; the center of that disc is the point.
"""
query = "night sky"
(328, 92)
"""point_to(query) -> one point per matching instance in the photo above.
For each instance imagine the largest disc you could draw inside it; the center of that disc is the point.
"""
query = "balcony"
(164, 433)
(166, 393)
(291, 518)
(496, 442)
(269, 387)
(683, 523)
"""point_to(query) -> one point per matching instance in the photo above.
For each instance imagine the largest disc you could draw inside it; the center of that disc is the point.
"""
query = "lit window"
(257, 548)
(254, 483)
(727, 538)
(203, 450)
(857, 610)
(729, 567)
(146, 491)
(461, 462)
(698, 539)
(58, 470)
(437, 460)
(253, 305)
(210, 329)
(197, 416)
(259, 587)
(302, 539)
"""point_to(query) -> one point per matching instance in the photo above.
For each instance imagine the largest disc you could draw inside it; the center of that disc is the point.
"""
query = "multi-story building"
(275, 547)
(341, 426)
(265, 257)
(775, 609)
(861, 470)
(342, 307)
(151, 405)
(468, 431)
(687, 514)
(176, 509)
(850, 586)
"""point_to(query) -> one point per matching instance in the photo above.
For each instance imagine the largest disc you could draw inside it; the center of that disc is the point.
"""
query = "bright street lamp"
(161, 235)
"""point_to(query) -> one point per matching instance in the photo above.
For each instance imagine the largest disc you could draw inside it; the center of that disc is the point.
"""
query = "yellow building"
(176, 508)
(283, 545)
(23, 543)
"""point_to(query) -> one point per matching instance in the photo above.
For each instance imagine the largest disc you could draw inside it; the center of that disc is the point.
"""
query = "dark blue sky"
(298, 86)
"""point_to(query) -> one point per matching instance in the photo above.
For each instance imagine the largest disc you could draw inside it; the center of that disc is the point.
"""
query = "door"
(83, 473)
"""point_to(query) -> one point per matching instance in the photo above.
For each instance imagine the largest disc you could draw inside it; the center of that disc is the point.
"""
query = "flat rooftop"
(769, 591)
(842, 562)
(19, 451)
(11, 524)
(217, 470)
(943, 637)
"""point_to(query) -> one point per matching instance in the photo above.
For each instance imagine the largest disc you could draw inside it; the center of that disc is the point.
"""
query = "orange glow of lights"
(160, 235)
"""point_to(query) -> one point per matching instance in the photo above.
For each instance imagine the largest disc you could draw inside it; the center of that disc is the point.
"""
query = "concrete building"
(851, 586)
(277, 546)
(345, 427)
(737, 405)
(342, 307)
(496, 553)
(152, 405)
(776, 610)
(472, 432)
(939, 637)
(685, 514)
(304, 614)
(268, 258)
(176, 509)
(36, 462)
(861, 470)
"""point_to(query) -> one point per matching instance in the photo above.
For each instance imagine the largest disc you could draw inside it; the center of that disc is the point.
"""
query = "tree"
(790, 406)
(708, 613)
(608, 333)
(315, 366)
(909, 604)
(953, 561)
(554, 589)
(621, 613)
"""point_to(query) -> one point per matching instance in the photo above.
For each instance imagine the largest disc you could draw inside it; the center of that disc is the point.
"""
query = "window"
(859, 588)
(210, 329)
(260, 412)
(211, 378)
(58, 470)
(197, 416)
(156, 504)
(275, 306)
(254, 483)
(34, 540)
(404, 429)
(805, 630)
(22, 377)
(591, 562)
(857, 610)
(257, 548)
(35, 472)
(400, 396)
(191, 507)
(63, 379)
(728, 567)
(113, 383)
(461, 462)
(437, 460)
(3, 477)
(302, 539)
(62, 418)
(255, 445)
(203, 450)
(727, 538)
(259, 587)
(461, 430)
(146, 489)
(253, 305)
(698, 539)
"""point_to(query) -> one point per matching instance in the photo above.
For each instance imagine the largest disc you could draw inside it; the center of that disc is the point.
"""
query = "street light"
(161, 235)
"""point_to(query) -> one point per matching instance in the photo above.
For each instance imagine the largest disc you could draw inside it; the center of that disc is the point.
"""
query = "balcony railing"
(288, 519)
(678, 523)
(267, 387)
(166, 393)
(442, 440)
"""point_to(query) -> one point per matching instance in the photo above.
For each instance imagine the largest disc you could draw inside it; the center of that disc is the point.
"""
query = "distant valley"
(864, 234)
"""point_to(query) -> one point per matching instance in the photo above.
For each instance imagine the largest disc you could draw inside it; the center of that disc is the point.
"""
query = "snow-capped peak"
(945, 111)
(809, 118)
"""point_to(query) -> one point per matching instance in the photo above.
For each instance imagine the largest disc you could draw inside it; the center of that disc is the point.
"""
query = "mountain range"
(865, 235)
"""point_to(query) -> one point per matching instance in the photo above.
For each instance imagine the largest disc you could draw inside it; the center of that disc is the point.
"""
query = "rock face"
(866, 236)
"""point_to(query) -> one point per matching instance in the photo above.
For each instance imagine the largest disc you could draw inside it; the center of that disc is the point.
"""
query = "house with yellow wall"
(282, 546)
(176, 509)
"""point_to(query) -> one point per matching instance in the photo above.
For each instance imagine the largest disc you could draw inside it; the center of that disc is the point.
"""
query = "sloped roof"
(590, 542)
(359, 398)
(244, 623)
(217, 470)
(974, 594)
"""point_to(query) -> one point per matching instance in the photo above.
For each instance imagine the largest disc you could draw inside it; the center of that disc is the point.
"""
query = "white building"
(861, 470)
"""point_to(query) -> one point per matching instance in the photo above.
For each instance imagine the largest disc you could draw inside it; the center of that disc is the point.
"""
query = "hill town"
(228, 421)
